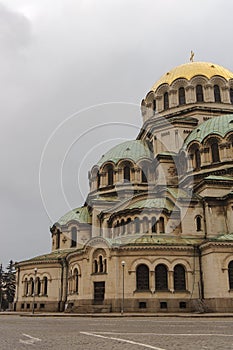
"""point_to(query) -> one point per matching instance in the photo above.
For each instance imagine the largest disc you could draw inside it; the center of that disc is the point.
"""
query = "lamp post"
(123, 286)
(34, 291)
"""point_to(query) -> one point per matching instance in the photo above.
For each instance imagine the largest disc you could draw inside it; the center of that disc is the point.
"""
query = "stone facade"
(156, 231)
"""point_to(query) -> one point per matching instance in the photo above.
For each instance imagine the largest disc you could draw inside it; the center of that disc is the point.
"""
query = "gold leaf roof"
(190, 70)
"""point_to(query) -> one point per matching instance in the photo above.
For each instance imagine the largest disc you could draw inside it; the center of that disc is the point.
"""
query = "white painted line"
(123, 340)
(28, 342)
(33, 338)
(166, 334)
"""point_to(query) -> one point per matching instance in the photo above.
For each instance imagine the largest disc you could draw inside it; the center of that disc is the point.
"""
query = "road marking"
(33, 338)
(166, 334)
(29, 341)
(122, 340)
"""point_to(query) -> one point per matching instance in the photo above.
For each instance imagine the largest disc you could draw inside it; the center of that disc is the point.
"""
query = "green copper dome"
(80, 215)
(134, 150)
(217, 126)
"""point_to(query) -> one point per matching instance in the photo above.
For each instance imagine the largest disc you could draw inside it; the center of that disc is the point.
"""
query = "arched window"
(144, 175)
(128, 225)
(217, 95)
(161, 277)
(95, 266)
(179, 278)
(32, 286)
(161, 225)
(76, 281)
(231, 95)
(122, 227)
(45, 282)
(181, 96)
(73, 237)
(154, 105)
(153, 225)
(165, 101)
(58, 236)
(38, 286)
(197, 159)
(215, 152)
(110, 175)
(98, 179)
(101, 265)
(26, 287)
(145, 224)
(230, 274)
(198, 223)
(137, 225)
(105, 265)
(142, 276)
(126, 173)
(199, 93)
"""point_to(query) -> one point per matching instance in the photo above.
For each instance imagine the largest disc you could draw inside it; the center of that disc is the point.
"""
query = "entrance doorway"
(99, 290)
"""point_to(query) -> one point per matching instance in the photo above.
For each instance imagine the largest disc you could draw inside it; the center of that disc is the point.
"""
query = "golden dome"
(189, 70)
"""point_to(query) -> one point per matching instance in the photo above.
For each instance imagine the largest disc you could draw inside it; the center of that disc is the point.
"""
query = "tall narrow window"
(230, 274)
(26, 286)
(231, 95)
(45, 281)
(137, 225)
(215, 152)
(126, 173)
(95, 266)
(98, 179)
(154, 105)
(122, 227)
(73, 237)
(32, 285)
(153, 225)
(161, 277)
(144, 175)
(217, 95)
(145, 224)
(198, 223)
(58, 236)
(161, 225)
(197, 159)
(76, 281)
(199, 93)
(179, 278)
(181, 96)
(101, 265)
(110, 175)
(142, 276)
(38, 286)
(128, 225)
(165, 101)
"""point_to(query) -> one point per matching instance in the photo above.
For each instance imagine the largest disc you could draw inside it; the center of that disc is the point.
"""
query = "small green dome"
(134, 150)
(217, 126)
(80, 215)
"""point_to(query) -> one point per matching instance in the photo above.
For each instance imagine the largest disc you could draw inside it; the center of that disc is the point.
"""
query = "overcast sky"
(72, 77)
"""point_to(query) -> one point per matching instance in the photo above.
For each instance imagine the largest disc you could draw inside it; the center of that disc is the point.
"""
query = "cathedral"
(155, 233)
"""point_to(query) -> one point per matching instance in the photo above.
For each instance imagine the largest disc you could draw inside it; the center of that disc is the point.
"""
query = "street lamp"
(34, 291)
(123, 286)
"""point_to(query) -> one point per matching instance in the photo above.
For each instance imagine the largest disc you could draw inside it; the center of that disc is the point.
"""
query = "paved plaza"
(110, 333)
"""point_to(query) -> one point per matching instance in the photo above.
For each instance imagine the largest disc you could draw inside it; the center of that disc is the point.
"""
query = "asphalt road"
(163, 333)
